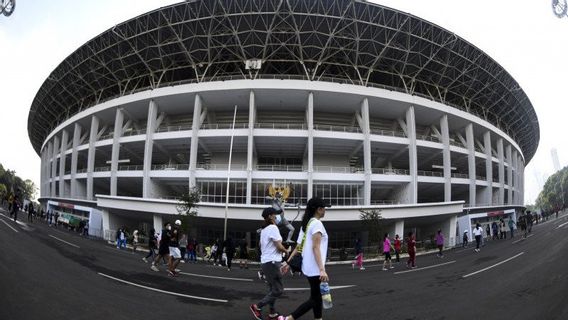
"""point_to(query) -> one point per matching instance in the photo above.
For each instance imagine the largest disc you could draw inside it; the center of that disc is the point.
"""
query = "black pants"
(314, 302)
(477, 241)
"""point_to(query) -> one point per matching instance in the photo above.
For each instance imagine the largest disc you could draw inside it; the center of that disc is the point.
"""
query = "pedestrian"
(397, 247)
(243, 254)
(175, 253)
(191, 250)
(530, 220)
(495, 229)
(465, 239)
(503, 230)
(152, 245)
(229, 247)
(30, 213)
(477, 233)
(213, 253)
(440, 243)
(523, 224)
(488, 231)
(411, 248)
(358, 255)
(15, 208)
(135, 240)
(164, 248)
(270, 264)
(512, 227)
(56, 219)
(183, 243)
(386, 252)
(118, 235)
(314, 251)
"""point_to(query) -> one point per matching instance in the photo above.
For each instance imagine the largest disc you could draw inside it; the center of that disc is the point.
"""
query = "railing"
(390, 171)
(330, 169)
(381, 202)
(223, 126)
(283, 126)
(101, 169)
(388, 133)
(427, 138)
(131, 167)
(456, 144)
(495, 179)
(182, 127)
(269, 167)
(68, 172)
(480, 178)
(325, 127)
(107, 136)
(460, 175)
(170, 167)
(234, 167)
(82, 170)
(134, 132)
(429, 173)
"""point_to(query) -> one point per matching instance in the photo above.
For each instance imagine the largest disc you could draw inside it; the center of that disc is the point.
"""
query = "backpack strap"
(301, 247)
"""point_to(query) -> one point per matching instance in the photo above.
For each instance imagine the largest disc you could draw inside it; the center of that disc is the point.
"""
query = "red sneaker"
(256, 312)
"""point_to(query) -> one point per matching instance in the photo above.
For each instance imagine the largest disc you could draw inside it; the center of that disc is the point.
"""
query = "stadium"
(368, 107)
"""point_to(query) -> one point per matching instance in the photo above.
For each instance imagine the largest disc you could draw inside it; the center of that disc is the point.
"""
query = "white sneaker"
(362, 268)
(153, 267)
(177, 270)
(385, 269)
(145, 260)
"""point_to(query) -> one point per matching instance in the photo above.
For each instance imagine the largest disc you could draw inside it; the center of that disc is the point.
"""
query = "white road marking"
(424, 268)
(562, 225)
(331, 287)
(15, 230)
(521, 239)
(163, 291)
(69, 243)
(493, 266)
(215, 277)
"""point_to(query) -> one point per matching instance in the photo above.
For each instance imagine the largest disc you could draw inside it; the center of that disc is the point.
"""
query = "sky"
(524, 36)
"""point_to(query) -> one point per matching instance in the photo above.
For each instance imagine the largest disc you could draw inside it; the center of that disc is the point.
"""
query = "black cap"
(318, 203)
(268, 211)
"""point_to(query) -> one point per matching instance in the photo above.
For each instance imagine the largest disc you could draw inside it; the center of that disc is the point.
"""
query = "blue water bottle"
(325, 295)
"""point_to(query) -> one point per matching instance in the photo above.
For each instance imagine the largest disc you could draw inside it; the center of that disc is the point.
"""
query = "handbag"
(296, 262)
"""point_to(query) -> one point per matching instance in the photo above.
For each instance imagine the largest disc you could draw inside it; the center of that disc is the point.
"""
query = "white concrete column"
(194, 145)
(509, 175)
(118, 122)
(48, 167)
(310, 118)
(54, 166)
(91, 157)
(412, 156)
(515, 177)
(452, 236)
(522, 181)
(106, 225)
(501, 157)
(366, 128)
(488, 168)
(250, 145)
(470, 140)
(399, 229)
(446, 158)
(77, 131)
(158, 223)
(62, 159)
(148, 149)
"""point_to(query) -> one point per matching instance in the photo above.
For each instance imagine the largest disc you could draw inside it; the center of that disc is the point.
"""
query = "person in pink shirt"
(386, 252)
(440, 243)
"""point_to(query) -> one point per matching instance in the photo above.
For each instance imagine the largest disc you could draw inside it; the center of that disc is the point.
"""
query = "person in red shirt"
(397, 248)
(411, 243)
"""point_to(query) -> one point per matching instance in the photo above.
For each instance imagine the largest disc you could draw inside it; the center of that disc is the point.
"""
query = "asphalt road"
(48, 273)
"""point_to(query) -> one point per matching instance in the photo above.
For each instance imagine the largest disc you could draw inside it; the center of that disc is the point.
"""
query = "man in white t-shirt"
(477, 233)
(271, 261)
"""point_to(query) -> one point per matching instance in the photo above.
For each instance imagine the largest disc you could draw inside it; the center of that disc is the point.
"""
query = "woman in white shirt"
(478, 233)
(271, 249)
(313, 254)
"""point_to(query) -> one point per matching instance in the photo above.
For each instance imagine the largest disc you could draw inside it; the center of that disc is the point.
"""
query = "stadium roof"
(353, 41)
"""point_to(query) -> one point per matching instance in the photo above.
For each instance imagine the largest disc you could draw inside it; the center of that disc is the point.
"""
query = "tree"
(187, 207)
(3, 191)
(372, 222)
(29, 189)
